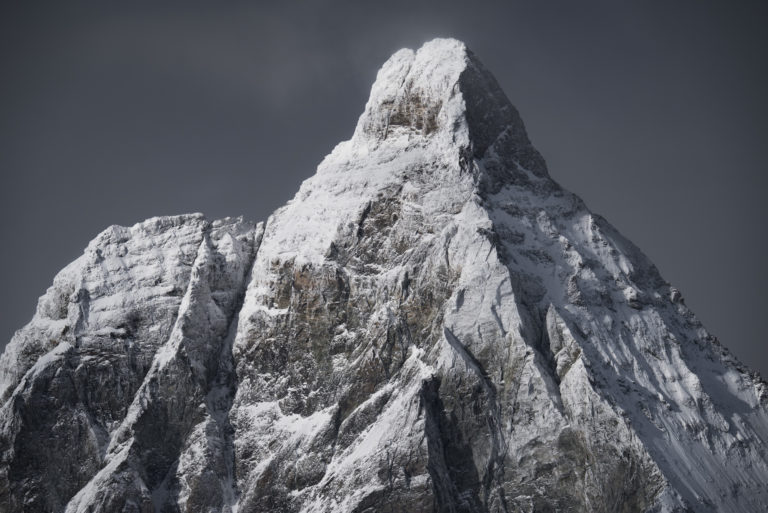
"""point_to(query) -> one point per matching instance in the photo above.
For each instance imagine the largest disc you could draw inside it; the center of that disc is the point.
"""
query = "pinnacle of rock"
(443, 89)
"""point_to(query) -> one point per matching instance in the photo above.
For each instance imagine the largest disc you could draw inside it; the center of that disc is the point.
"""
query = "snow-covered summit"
(417, 91)
(431, 324)
(427, 109)
(441, 91)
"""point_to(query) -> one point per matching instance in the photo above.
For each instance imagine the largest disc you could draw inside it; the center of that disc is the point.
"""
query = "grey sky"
(654, 112)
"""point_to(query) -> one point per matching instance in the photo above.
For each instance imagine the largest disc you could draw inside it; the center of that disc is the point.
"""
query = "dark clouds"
(654, 112)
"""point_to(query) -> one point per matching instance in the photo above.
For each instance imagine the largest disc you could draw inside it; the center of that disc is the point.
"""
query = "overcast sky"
(654, 112)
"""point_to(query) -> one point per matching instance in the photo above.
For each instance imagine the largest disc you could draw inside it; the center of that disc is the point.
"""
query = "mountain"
(431, 325)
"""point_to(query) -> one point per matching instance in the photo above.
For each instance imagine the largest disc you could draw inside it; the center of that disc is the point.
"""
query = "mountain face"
(431, 325)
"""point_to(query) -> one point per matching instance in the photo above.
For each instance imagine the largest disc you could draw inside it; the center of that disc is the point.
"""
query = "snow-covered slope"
(431, 324)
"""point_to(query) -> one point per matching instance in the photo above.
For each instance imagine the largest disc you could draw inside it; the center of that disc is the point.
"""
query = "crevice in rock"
(449, 461)
(495, 465)
(222, 393)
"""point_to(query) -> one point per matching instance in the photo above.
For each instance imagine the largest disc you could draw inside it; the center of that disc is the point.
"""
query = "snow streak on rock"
(431, 324)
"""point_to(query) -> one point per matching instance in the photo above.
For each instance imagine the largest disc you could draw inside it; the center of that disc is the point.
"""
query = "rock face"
(431, 324)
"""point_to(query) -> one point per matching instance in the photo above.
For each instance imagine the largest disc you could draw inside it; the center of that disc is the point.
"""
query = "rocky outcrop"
(431, 324)
(135, 333)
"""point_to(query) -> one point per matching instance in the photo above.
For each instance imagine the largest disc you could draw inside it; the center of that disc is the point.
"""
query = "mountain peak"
(413, 87)
(431, 324)
(443, 90)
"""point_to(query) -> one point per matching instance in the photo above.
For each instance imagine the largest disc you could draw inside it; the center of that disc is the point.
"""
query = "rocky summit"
(432, 324)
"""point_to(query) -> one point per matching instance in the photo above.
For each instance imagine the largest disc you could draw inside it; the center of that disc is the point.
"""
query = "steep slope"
(431, 324)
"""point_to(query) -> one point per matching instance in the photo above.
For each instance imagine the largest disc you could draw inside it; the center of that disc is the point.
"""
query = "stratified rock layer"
(431, 324)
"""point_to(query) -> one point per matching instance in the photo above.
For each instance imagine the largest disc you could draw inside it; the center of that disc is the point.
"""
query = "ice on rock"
(431, 324)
